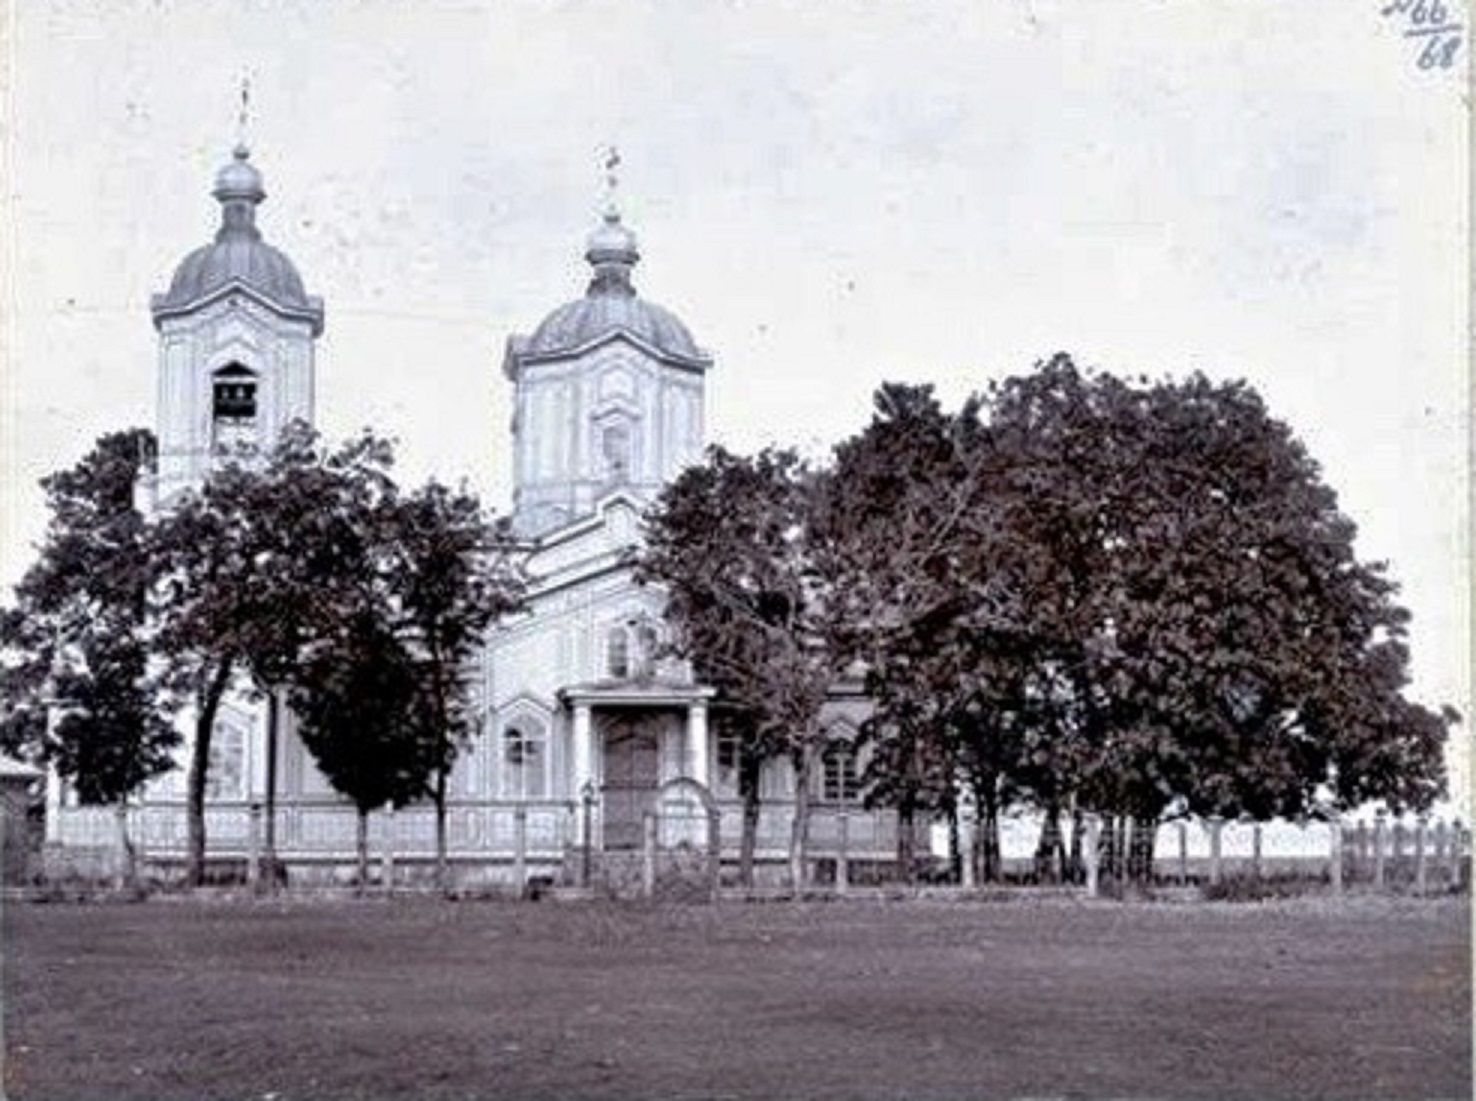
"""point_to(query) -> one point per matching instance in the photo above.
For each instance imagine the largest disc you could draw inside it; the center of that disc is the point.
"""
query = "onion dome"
(238, 257)
(610, 305)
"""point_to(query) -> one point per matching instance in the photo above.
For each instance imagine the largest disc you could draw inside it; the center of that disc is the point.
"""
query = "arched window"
(617, 653)
(525, 759)
(226, 778)
(615, 450)
(646, 643)
(840, 780)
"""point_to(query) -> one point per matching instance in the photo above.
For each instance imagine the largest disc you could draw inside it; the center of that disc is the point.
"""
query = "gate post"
(520, 849)
(648, 855)
(1216, 824)
(588, 796)
(1421, 824)
(842, 858)
(1378, 853)
(253, 847)
(967, 827)
(1091, 854)
(387, 857)
(1335, 857)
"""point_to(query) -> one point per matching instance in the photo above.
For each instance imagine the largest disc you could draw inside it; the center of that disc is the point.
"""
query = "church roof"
(610, 306)
(238, 257)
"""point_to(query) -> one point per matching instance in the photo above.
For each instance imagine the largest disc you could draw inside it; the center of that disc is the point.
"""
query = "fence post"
(253, 847)
(1378, 850)
(1440, 865)
(122, 874)
(966, 827)
(587, 796)
(520, 849)
(648, 855)
(1360, 864)
(1216, 824)
(1398, 835)
(1460, 839)
(1335, 857)
(1421, 823)
(842, 858)
(1183, 854)
(1256, 852)
(1091, 854)
(387, 855)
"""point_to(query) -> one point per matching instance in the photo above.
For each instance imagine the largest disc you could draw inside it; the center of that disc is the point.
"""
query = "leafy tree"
(1130, 597)
(249, 562)
(728, 541)
(1213, 643)
(355, 698)
(451, 575)
(76, 639)
(899, 528)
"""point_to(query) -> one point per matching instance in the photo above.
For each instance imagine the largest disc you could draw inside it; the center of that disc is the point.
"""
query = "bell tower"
(236, 339)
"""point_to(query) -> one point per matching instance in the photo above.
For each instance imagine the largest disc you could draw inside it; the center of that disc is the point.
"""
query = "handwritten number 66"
(1419, 11)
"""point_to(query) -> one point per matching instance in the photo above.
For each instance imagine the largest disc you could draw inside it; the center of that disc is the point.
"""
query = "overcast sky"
(830, 195)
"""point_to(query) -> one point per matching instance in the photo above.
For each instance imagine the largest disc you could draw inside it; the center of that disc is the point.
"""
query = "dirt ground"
(1365, 999)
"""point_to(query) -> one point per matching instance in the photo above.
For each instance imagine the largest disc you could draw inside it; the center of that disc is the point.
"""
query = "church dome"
(611, 304)
(238, 255)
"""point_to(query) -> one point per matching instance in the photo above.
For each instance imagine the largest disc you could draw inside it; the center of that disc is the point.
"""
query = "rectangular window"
(524, 764)
(728, 748)
(840, 781)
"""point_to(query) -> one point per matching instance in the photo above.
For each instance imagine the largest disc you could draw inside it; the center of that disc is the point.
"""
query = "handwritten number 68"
(1439, 51)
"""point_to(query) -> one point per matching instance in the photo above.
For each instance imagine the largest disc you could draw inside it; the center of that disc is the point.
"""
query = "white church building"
(586, 733)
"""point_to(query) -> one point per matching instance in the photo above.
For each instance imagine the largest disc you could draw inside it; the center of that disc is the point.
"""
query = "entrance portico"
(629, 739)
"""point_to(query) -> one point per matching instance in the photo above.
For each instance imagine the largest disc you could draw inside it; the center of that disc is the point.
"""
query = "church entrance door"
(632, 771)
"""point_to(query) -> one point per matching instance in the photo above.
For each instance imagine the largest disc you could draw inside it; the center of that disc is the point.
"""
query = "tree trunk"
(207, 705)
(1075, 868)
(991, 863)
(443, 870)
(362, 841)
(800, 828)
(1049, 852)
(750, 769)
(955, 839)
(907, 840)
(274, 733)
(1107, 848)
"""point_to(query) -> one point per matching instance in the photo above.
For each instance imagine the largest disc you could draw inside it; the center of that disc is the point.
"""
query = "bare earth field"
(1364, 999)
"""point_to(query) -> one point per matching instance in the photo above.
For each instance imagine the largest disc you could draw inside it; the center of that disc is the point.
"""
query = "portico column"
(583, 749)
(697, 749)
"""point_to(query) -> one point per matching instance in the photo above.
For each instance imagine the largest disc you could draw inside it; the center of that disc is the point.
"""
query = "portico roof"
(636, 693)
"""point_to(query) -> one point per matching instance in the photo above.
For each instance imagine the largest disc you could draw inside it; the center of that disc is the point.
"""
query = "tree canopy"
(303, 571)
(76, 689)
(1078, 592)
(729, 542)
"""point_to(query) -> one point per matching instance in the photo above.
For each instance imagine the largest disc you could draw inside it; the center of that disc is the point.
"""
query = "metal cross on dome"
(243, 116)
(611, 161)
